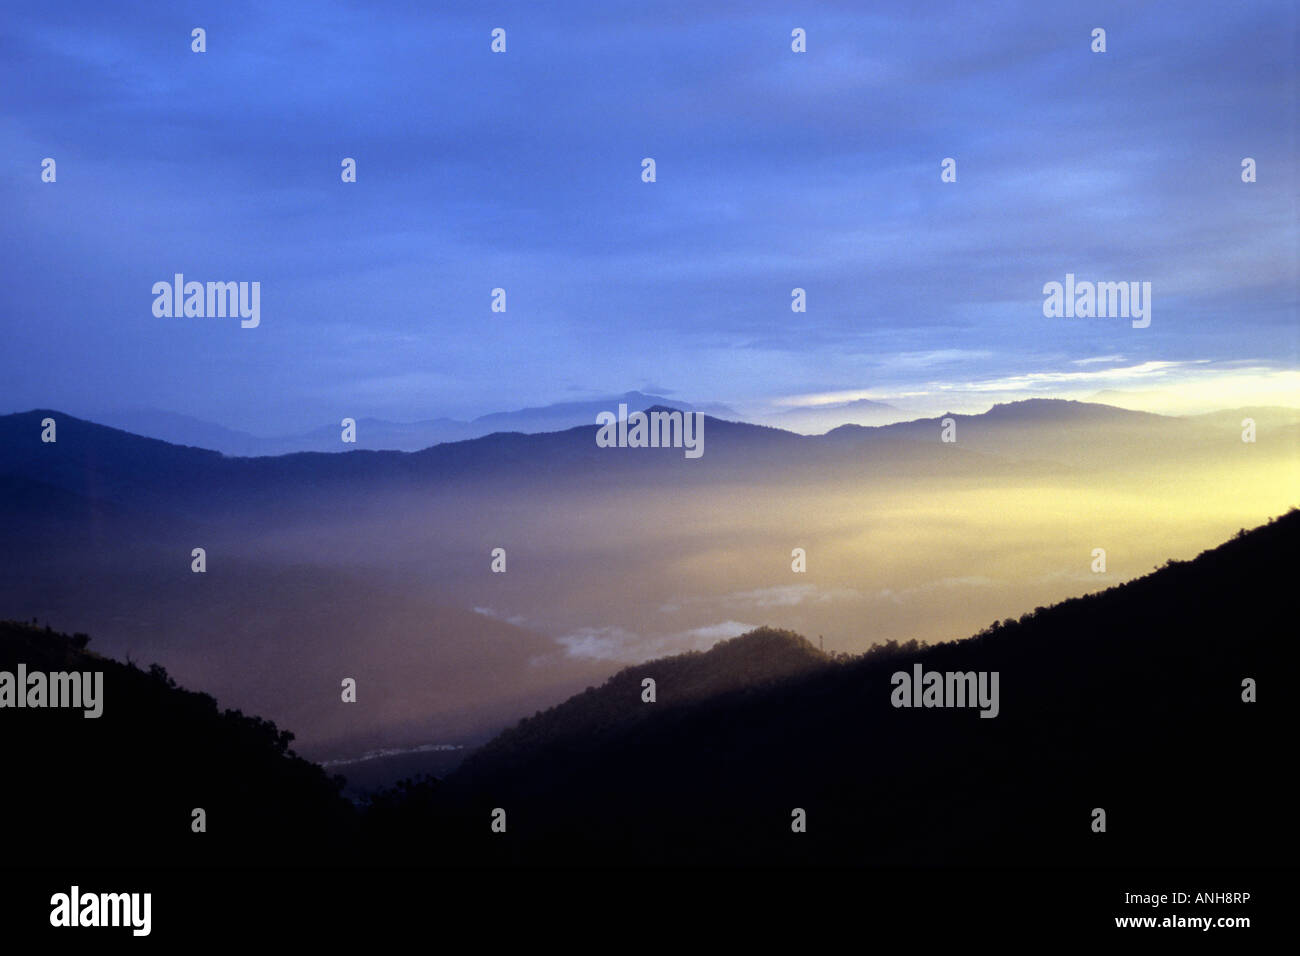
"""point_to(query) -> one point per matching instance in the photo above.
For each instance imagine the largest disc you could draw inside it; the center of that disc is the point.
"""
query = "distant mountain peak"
(1064, 409)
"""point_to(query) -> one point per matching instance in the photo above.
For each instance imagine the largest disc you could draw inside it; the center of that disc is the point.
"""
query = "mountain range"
(379, 434)
(379, 565)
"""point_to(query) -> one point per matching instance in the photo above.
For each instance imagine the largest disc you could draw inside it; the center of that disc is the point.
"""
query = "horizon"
(886, 418)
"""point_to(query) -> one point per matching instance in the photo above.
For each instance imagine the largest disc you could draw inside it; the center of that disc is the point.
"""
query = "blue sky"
(522, 171)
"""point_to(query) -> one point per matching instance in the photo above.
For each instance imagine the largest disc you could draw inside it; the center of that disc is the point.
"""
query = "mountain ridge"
(376, 434)
(1109, 700)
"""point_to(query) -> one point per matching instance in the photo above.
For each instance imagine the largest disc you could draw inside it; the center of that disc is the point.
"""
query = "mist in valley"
(378, 565)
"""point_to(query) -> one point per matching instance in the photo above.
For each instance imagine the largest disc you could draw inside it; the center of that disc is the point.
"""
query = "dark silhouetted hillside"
(120, 789)
(588, 721)
(1129, 700)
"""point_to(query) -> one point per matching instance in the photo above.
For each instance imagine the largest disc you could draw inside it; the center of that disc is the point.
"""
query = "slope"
(1129, 700)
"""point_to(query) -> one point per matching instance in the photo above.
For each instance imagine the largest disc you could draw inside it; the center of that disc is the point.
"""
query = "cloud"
(788, 595)
(1172, 387)
(914, 286)
(601, 643)
(518, 620)
(906, 594)
(614, 643)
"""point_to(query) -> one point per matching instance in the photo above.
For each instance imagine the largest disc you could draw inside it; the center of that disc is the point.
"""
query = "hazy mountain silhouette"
(377, 434)
(565, 415)
(817, 419)
(376, 564)
(98, 462)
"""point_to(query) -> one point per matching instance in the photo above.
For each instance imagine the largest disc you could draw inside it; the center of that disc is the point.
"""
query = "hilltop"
(1129, 700)
(592, 719)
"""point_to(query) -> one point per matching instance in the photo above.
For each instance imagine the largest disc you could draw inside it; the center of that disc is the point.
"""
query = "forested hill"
(122, 788)
(591, 719)
(1128, 701)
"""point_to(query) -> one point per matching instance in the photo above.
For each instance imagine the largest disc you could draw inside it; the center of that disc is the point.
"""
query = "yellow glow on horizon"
(1166, 388)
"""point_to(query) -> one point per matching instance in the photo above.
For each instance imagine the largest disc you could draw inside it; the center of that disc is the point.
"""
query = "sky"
(522, 170)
